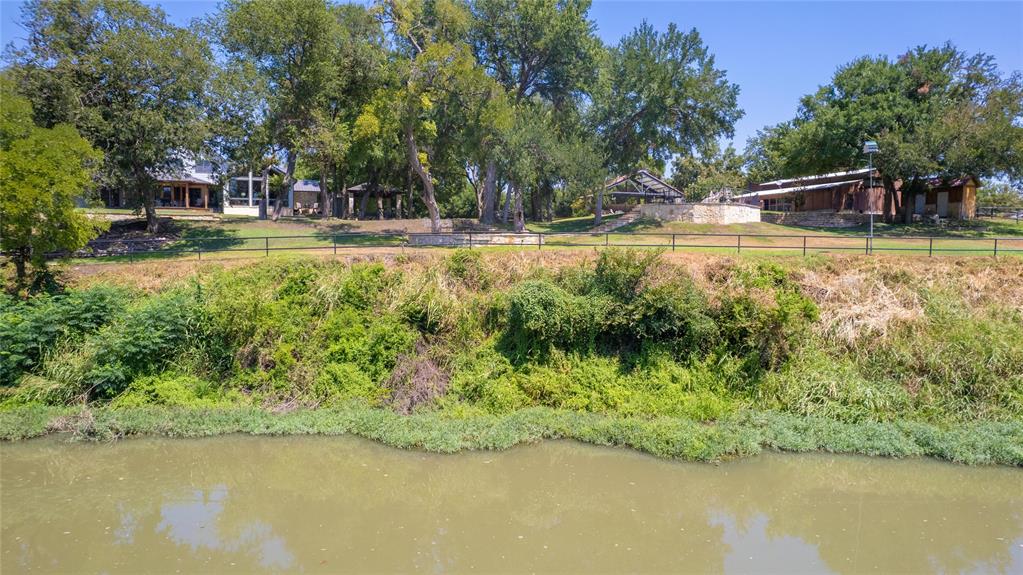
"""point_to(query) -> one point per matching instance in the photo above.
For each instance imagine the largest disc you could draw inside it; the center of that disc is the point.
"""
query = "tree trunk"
(20, 256)
(507, 203)
(146, 193)
(380, 203)
(289, 181)
(364, 200)
(265, 192)
(324, 193)
(598, 210)
(519, 224)
(487, 215)
(428, 195)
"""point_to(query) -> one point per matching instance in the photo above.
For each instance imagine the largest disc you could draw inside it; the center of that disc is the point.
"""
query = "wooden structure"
(645, 186)
(851, 192)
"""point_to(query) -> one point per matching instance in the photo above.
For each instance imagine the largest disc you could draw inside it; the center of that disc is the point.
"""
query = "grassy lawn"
(246, 237)
(566, 225)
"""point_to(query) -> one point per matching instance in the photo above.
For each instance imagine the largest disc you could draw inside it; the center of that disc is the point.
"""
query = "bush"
(764, 314)
(620, 271)
(541, 316)
(169, 389)
(467, 266)
(675, 314)
(30, 329)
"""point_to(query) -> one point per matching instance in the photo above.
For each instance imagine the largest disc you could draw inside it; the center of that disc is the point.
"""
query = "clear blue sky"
(775, 51)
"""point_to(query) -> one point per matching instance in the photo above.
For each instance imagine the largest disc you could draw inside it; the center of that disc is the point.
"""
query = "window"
(777, 205)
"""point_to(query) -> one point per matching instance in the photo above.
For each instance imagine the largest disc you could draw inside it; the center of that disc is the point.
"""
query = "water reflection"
(244, 504)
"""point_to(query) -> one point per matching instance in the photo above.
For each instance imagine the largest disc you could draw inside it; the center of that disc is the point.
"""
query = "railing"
(776, 244)
(1009, 212)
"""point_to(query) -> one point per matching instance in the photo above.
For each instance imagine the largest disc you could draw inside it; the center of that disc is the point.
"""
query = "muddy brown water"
(316, 504)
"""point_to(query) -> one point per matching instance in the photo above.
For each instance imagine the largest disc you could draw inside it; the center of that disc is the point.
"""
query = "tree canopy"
(42, 172)
(935, 113)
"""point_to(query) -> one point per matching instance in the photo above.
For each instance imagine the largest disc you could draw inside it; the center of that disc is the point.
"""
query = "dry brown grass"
(857, 296)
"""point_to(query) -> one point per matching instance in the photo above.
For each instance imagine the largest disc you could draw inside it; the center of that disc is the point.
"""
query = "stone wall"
(701, 213)
(457, 239)
(817, 219)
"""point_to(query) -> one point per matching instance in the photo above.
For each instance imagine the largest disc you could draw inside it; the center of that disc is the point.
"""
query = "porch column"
(185, 190)
(397, 208)
(380, 206)
(250, 188)
(205, 198)
(351, 205)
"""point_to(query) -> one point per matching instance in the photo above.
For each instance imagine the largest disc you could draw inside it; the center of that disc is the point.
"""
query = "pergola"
(643, 184)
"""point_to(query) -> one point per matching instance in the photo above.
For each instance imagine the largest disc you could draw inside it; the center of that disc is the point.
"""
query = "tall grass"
(628, 337)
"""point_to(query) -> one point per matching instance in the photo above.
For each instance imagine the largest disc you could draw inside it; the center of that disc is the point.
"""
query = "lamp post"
(870, 148)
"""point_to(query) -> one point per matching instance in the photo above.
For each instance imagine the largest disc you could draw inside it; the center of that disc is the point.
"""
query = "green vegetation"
(42, 172)
(462, 351)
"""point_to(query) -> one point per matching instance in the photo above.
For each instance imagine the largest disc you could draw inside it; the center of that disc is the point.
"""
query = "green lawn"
(566, 225)
(242, 237)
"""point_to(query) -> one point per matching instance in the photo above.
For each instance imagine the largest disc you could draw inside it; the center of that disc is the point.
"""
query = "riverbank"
(692, 357)
(737, 435)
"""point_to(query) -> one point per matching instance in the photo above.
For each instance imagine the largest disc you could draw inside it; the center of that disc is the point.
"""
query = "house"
(187, 185)
(851, 192)
(243, 193)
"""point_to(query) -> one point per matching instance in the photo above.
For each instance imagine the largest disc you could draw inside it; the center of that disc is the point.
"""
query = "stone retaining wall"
(477, 239)
(722, 214)
(817, 219)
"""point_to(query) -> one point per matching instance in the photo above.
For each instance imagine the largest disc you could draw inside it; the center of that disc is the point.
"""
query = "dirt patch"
(416, 380)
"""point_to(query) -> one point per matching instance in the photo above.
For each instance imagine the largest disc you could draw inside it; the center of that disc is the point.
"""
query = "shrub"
(765, 313)
(169, 389)
(467, 266)
(147, 338)
(620, 271)
(29, 329)
(674, 314)
(541, 315)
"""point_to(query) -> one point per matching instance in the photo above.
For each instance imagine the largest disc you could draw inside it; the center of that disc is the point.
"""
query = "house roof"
(784, 183)
(307, 186)
(186, 176)
(792, 189)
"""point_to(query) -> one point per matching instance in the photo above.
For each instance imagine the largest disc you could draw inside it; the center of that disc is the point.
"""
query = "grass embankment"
(682, 356)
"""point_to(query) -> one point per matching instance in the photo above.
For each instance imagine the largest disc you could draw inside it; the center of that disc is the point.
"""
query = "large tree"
(935, 112)
(127, 79)
(431, 66)
(540, 52)
(291, 44)
(661, 95)
(42, 172)
(711, 172)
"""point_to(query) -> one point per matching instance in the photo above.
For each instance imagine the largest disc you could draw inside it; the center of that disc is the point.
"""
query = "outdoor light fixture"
(870, 148)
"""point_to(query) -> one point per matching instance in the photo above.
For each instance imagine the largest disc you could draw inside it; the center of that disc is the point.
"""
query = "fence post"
(996, 248)
(804, 246)
(672, 242)
(539, 241)
(267, 240)
(930, 248)
(334, 237)
(606, 239)
(866, 245)
(470, 240)
(738, 243)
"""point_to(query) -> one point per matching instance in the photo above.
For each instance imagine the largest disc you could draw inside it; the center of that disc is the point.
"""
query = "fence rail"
(1008, 212)
(152, 248)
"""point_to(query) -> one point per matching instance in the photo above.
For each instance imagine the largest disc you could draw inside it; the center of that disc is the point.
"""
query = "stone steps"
(619, 222)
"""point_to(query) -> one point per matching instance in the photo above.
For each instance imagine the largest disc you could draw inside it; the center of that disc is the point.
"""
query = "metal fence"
(205, 247)
(1007, 212)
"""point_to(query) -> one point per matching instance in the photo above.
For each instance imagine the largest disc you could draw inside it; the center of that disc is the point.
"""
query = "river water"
(319, 504)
